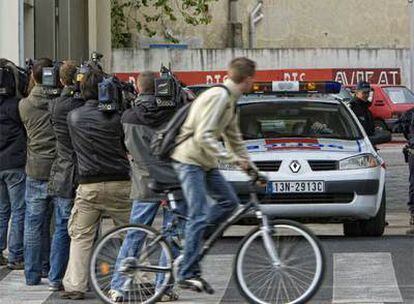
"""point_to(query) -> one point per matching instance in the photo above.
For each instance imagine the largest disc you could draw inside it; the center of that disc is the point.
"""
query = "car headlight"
(359, 162)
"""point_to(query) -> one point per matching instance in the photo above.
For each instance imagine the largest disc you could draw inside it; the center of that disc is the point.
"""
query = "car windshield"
(400, 94)
(297, 119)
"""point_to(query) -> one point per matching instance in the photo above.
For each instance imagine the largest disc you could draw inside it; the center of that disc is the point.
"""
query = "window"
(400, 94)
(297, 119)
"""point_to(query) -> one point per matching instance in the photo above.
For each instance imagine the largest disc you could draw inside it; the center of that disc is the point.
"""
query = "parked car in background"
(389, 102)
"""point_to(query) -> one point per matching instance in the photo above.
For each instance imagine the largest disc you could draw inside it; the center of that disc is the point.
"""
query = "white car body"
(350, 195)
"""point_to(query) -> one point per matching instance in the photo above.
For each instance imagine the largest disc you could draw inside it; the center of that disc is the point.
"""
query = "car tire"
(373, 227)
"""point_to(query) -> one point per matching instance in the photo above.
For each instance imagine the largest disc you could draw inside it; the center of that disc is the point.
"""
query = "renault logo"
(294, 166)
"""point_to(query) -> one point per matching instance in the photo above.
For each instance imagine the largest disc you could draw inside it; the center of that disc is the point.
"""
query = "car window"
(297, 119)
(399, 94)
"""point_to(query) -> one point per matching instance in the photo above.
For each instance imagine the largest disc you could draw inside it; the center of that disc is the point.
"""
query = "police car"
(320, 163)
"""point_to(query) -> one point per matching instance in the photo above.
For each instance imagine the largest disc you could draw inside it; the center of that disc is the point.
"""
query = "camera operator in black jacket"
(63, 175)
(12, 163)
(104, 181)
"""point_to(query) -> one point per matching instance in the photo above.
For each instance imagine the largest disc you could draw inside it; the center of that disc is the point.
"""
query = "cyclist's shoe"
(116, 296)
(196, 284)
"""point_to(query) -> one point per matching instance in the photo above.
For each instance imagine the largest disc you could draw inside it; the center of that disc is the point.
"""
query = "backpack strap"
(220, 85)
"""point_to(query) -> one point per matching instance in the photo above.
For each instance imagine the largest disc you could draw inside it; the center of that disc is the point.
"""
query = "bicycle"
(265, 267)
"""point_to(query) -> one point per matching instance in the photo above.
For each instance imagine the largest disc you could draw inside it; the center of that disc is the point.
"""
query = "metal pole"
(411, 7)
(21, 33)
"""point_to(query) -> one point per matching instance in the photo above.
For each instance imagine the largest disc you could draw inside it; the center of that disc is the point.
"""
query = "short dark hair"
(240, 68)
(89, 84)
(67, 72)
(146, 82)
(37, 70)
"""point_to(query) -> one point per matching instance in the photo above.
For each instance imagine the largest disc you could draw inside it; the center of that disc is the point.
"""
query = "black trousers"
(411, 180)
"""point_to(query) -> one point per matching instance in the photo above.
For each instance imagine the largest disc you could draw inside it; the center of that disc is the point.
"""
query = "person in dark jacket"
(405, 125)
(12, 174)
(41, 152)
(360, 105)
(140, 124)
(104, 181)
(63, 178)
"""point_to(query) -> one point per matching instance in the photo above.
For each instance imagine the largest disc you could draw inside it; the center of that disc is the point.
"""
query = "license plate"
(296, 187)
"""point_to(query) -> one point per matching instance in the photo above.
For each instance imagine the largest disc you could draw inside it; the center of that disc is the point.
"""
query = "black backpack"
(164, 141)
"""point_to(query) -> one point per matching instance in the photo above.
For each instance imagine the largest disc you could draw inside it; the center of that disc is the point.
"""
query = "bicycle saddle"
(161, 187)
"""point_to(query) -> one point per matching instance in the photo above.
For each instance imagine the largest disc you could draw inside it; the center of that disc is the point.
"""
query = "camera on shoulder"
(167, 89)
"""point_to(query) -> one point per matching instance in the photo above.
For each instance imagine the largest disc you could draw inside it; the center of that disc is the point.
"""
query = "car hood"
(315, 146)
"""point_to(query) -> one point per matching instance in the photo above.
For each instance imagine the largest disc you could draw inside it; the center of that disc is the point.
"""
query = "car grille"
(268, 166)
(323, 165)
(305, 198)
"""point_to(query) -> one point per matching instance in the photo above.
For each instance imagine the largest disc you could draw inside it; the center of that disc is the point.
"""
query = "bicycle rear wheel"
(299, 274)
(133, 260)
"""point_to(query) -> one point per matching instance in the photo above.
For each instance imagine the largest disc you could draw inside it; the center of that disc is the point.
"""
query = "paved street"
(359, 270)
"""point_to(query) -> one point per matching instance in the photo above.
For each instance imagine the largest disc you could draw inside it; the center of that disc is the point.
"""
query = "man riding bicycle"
(212, 117)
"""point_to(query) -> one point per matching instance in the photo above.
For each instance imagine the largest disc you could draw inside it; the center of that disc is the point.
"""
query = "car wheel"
(376, 225)
(372, 227)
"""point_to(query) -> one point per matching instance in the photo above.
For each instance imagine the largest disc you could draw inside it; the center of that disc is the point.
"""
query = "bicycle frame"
(254, 205)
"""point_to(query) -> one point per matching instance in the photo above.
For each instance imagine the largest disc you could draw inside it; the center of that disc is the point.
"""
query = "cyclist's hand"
(244, 164)
(261, 180)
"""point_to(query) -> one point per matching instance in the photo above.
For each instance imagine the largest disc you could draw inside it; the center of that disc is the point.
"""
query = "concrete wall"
(9, 30)
(305, 24)
(331, 23)
(129, 60)
(100, 29)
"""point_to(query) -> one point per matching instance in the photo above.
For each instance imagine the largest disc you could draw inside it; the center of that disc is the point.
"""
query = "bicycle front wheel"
(295, 277)
(131, 264)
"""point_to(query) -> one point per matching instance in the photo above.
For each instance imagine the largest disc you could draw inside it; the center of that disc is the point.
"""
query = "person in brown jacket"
(212, 117)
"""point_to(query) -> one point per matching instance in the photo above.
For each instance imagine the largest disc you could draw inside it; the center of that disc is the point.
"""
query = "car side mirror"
(380, 137)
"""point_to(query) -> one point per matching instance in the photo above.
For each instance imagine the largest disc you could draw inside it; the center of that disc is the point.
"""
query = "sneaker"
(196, 284)
(15, 265)
(55, 287)
(3, 260)
(412, 219)
(116, 296)
(72, 295)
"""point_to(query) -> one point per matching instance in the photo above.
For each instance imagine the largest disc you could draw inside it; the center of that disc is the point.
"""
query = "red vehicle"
(389, 102)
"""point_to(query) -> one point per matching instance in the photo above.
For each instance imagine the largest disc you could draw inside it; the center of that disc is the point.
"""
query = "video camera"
(14, 80)
(167, 89)
(113, 94)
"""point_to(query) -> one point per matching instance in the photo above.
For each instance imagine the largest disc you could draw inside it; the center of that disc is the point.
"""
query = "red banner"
(345, 76)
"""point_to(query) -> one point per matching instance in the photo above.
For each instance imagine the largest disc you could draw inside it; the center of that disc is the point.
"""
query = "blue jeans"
(39, 208)
(144, 213)
(59, 252)
(12, 205)
(197, 184)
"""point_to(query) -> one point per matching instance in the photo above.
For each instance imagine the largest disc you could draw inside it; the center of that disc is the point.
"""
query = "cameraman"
(12, 162)
(104, 181)
(63, 179)
(41, 152)
(140, 124)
